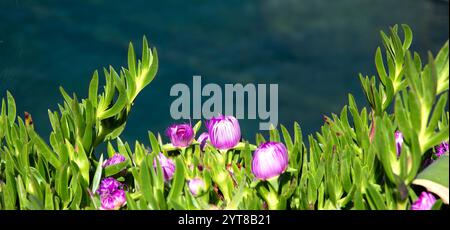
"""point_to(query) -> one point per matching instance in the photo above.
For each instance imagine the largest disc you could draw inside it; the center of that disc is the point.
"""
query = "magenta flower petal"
(398, 142)
(119, 198)
(202, 139)
(196, 186)
(425, 201)
(167, 165)
(113, 201)
(270, 160)
(107, 202)
(442, 149)
(224, 132)
(180, 135)
(108, 185)
(112, 197)
(115, 159)
(438, 152)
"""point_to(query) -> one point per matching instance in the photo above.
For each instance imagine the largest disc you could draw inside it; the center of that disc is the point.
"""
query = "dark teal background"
(314, 50)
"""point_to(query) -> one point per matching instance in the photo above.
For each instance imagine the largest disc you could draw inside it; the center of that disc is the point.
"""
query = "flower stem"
(274, 184)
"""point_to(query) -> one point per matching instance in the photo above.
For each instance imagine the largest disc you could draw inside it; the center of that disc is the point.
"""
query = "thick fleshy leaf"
(117, 168)
(178, 183)
(11, 108)
(98, 174)
(435, 178)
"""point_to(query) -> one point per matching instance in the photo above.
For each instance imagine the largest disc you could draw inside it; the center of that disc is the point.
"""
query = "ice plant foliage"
(270, 160)
(224, 132)
(180, 135)
(350, 164)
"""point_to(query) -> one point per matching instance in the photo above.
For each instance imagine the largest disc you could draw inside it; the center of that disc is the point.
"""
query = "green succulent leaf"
(435, 178)
(97, 175)
(113, 170)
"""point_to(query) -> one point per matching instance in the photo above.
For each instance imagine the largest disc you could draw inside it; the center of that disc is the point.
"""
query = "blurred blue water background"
(314, 50)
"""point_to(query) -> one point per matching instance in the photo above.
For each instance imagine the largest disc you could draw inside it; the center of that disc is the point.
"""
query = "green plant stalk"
(222, 183)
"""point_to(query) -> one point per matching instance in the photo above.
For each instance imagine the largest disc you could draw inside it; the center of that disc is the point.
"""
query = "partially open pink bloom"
(442, 149)
(113, 201)
(167, 166)
(115, 159)
(108, 185)
(398, 142)
(202, 139)
(224, 132)
(180, 135)
(197, 186)
(270, 160)
(112, 196)
(425, 201)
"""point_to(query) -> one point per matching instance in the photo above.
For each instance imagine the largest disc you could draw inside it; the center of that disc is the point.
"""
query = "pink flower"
(270, 160)
(113, 201)
(398, 142)
(180, 135)
(197, 186)
(425, 201)
(224, 132)
(167, 166)
(112, 197)
(442, 149)
(202, 139)
(115, 159)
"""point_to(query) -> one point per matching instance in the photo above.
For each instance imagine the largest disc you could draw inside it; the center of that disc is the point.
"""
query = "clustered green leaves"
(351, 163)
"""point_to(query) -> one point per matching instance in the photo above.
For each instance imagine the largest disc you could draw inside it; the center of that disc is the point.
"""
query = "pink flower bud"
(197, 186)
(116, 159)
(180, 135)
(398, 142)
(167, 166)
(270, 160)
(224, 132)
(202, 139)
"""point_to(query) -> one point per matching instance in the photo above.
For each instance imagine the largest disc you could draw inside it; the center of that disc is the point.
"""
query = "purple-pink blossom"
(115, 159)
(270, 160)
(202, 139)
(112, 196)
(224, 132)
(197, 186)
(442, 149)
(113, 201)
(181, 135)
(425, 201)
(167, 166)
(398, 142)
